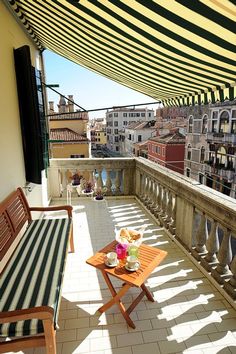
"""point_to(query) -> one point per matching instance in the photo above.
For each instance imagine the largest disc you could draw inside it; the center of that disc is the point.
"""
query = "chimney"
(71, 104)
(62, 105)
(51, 106)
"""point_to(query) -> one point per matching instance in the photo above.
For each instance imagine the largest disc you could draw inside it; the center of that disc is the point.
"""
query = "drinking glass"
(121, 251)
(133, 251)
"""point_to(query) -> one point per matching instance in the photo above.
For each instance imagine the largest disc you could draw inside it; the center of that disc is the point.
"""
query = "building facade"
(136, 133)
(211, 146)
(118, 119)
(168, 150)
(68, 131)
(220, 165)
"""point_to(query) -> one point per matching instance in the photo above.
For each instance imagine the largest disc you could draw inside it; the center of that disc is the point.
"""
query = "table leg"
(116, 300)
(147, 292)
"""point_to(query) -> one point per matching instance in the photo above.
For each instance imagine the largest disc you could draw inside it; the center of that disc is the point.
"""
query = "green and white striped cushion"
(34, 274)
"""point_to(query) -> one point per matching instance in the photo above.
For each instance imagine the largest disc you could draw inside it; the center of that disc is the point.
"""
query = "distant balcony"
(221, 138)
(226, 172)
(195, 215)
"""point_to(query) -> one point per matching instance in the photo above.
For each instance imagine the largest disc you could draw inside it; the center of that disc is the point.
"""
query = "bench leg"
(50, 337)
(72, 247)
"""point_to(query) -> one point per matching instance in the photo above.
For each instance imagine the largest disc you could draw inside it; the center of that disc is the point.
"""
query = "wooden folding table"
(149, 258)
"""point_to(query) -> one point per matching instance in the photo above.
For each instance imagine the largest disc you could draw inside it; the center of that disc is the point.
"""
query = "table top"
(149, 258)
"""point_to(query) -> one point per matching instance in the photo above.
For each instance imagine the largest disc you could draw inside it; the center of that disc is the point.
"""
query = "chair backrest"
(14, 213)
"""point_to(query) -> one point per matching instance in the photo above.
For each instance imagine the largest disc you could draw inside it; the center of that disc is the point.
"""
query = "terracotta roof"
(65, 134)
(141, 125)
(69, 116)
(170, 138)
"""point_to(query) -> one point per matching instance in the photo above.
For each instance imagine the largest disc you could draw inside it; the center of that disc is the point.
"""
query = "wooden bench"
(31, 278)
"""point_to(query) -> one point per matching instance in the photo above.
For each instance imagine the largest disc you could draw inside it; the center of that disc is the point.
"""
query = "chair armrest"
(41, 313)
(68, 208)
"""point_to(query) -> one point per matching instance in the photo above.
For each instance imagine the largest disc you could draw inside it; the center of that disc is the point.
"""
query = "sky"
(90, 90)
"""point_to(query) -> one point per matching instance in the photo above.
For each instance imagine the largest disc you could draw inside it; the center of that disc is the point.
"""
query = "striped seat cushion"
(34, 274)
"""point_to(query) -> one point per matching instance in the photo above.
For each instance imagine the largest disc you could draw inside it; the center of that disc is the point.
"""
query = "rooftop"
(66, 134)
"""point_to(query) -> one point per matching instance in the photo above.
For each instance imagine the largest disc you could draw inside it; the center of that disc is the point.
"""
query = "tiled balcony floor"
(189, 315)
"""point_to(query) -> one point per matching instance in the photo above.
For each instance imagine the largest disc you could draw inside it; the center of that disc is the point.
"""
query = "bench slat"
(34, 274)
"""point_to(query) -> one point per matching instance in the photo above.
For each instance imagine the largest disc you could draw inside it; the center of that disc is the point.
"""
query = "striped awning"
(180, 52)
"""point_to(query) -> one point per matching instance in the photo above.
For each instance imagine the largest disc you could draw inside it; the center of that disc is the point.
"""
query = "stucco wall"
(66, 150)
(78, 126)
(11, 153)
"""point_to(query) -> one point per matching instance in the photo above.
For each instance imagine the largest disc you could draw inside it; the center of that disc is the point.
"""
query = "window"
(187, 172)
(116, 139)
(115, 123)
(142, 114)
(214, 122)
(200, 178)
(139, 138)
(190, 124)
(117, 148)
(124, 114)
(204, 124)
(115, 114)
(189, 152)
(233, 122)
(76, 156)
(224, 122)
(129, 137)
(116, 131)
(163, 151)
(125, 122)
(221, 157)
(202, 155)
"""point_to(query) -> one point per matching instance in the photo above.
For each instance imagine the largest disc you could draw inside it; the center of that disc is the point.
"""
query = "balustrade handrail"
(215, 204)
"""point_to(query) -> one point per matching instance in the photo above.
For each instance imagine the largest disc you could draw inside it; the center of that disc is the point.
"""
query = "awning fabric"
(180, 52)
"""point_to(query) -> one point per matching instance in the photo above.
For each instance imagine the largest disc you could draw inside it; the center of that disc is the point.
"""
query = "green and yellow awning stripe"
(178, 51)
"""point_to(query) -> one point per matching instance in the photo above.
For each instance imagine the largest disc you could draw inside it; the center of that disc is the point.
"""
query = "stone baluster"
(162, 213)
(212, 246)
(117, 183)
(159, 199)
(145, 188)
(99, 178)
(153, 205)
(169, 210)
(142, 186)
(230, 286)
(222, 271)
(108, 182)
(201, 236)
(149, 192)
(172, 224)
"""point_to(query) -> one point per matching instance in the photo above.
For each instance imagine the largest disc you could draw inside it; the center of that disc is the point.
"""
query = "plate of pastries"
(129, 236)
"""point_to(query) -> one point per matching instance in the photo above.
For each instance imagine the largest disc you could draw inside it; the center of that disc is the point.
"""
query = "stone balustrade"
(201, 219)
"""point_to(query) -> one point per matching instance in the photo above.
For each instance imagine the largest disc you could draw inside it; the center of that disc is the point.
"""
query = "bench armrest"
(41, 313)
(68, 208)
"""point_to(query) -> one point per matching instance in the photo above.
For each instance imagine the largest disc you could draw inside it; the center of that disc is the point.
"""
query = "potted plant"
(100, 193)
(75, 179)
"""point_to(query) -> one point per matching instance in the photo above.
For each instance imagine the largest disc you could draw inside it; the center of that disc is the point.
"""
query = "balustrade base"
(220, 278)
(230, 289)
(198, 255)
(208, 265)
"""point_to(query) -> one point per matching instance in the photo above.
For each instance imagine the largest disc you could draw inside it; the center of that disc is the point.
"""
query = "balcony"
(221, 138)
(194, 287)
(225, 172)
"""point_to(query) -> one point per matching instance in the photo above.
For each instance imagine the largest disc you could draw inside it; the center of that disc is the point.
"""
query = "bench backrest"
(14, 213)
